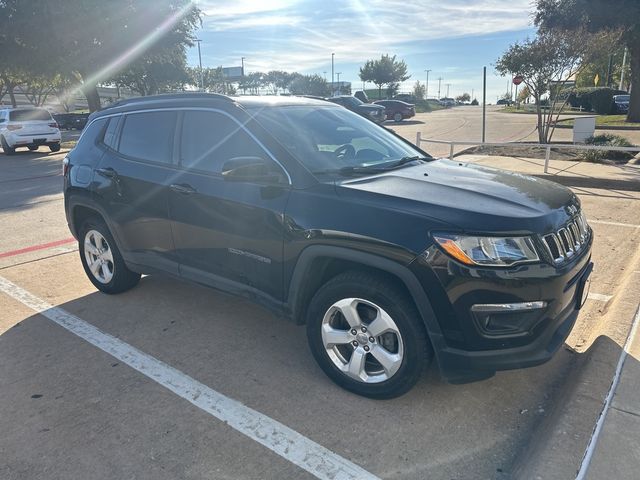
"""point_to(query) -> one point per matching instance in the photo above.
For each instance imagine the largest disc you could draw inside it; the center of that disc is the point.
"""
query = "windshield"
(334, 141)
(29, 114)
(622, 98)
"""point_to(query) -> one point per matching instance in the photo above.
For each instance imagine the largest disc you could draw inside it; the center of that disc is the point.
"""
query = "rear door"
(131, 185)
(228, 234)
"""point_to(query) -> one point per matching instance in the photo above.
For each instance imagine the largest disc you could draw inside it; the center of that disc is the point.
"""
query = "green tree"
(465, 97)
(419, 90)
(309, 85)
(277, 80)
(602, 17)
(93, 41)
(386, 71)
(552, 58)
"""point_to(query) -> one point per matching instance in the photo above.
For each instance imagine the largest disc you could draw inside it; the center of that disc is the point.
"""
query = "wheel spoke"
(88, 247)
(95, 267)
(356, 364)
(348, 309)
(105, 271)
(332, 336)
(381, 324)
(389, 361)
(107, 255)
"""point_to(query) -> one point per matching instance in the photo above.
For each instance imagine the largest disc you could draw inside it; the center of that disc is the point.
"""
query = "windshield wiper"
(382, 167)
(376, 168)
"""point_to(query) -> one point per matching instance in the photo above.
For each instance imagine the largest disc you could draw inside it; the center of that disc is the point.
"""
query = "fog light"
(507, 318)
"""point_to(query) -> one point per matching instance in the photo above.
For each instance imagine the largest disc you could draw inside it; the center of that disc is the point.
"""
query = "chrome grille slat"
(567, 240)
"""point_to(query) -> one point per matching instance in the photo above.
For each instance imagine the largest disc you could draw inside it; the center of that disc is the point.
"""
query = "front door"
(227, 233)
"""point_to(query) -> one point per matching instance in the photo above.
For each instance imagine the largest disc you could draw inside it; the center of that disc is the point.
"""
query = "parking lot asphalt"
(70, 410)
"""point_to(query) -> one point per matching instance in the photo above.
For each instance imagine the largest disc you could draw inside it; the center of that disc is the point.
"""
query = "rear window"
(148, 136)
(29, 114)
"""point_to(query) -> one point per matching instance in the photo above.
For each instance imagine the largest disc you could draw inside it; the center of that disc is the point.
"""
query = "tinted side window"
(209, 139)
(85, 151)
(148, 136)
(110, 138)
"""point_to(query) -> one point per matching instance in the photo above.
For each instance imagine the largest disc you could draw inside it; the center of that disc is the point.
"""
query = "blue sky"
(452, 38)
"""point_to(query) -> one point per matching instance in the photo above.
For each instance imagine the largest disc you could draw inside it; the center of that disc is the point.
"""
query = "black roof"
(186, 99)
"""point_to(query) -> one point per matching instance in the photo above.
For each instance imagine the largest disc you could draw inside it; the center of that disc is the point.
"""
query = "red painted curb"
(33, 248)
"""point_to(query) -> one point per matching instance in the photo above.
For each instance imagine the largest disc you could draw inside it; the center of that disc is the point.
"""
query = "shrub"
(608, 140)
(474, 102)
(596, 99)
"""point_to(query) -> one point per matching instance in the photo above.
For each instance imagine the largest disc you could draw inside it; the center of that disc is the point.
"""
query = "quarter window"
(148, 136)
(209, 139)
(110, 139)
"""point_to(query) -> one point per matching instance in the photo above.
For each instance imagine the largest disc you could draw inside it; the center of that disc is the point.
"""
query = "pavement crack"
(625, 411)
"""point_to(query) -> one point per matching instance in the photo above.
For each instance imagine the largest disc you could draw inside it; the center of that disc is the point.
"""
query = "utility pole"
(472, 94)
(426, 87)
(200, 61)
(332, 79)
(624, 64)
(339, 86)
(448, 85)
(439, 83)
(484, 103)
(244, 88)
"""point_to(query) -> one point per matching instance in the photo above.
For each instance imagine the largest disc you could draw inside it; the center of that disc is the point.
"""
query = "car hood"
(468, 196)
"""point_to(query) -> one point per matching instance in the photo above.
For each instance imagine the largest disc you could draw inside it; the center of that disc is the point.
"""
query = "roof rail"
(168, 96)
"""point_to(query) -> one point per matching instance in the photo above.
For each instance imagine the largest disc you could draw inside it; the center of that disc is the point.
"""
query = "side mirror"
(253, 170)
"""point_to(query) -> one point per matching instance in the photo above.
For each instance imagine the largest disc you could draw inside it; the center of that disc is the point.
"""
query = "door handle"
(107, 172)
(183, 188)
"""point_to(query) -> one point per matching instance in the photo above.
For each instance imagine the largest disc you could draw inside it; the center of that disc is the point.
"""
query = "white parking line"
(595, 435)
(599, 297)
(615, 224)
(289, 444)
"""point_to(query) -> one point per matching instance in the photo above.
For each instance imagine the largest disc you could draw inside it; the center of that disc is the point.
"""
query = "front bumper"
(466, 350)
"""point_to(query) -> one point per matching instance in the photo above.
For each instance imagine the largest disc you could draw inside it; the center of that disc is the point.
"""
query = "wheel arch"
(321, 263)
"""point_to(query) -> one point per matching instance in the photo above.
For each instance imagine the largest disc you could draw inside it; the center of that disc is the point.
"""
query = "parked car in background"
(362, 96)
(504, 101)
(397, 110)
(375, 113)
(447, 102)
(621, 103)
(71, 121)
(406, 97)
(28, 127)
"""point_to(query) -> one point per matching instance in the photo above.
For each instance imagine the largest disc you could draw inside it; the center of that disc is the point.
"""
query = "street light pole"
(339, 89)
(439, 84)
(244, 88)
(332, 78)
(200, 62)
(426, 87)
(448, 85)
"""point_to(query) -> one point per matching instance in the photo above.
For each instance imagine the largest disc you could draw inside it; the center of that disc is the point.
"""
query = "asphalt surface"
(465, 124)
(69, 410)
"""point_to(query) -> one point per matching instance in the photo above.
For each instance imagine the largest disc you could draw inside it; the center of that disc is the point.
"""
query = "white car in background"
(28, 127)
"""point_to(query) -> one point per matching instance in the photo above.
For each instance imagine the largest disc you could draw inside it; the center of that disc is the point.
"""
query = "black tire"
(397, 117)
(7, 150)
(122, 279)
(398, 305)
(33, 148)
(55, 147)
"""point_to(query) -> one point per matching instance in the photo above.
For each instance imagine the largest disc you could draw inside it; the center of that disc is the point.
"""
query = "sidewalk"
(615, 448)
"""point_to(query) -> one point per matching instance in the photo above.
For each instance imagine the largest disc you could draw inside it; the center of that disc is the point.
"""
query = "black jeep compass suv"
(389, 256)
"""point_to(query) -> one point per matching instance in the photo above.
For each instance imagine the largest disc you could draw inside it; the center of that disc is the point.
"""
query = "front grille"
(568, 240)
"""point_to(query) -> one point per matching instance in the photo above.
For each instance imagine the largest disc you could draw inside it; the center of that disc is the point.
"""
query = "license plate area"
(39, 141)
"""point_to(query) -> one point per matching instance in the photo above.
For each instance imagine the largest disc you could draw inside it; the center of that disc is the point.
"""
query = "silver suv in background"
(28, 127)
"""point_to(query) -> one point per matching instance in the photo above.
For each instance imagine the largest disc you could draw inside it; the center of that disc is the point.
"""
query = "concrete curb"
(559, 442)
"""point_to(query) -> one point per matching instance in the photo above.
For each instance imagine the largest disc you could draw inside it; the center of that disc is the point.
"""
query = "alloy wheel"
(98, 256)
(362, 340)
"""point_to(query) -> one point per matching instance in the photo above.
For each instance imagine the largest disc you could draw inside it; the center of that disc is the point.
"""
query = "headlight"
(488, 251)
